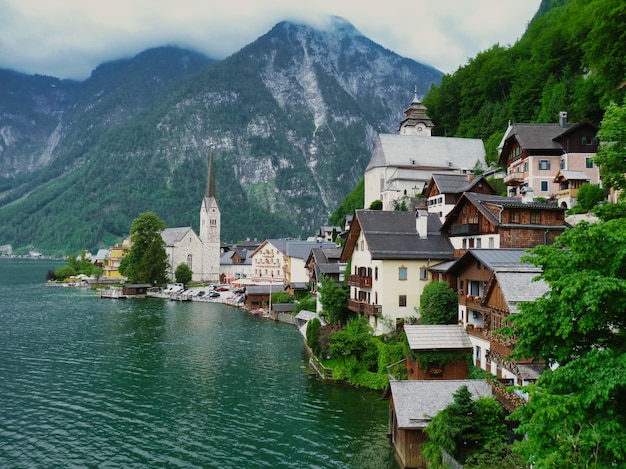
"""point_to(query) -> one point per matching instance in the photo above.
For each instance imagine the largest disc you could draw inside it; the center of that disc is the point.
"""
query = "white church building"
(200, 252)
(402, 164)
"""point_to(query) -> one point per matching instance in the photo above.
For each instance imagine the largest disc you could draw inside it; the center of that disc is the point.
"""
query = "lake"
(91, 382)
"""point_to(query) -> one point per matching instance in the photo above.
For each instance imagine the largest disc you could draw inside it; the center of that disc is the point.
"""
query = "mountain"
(291, 119)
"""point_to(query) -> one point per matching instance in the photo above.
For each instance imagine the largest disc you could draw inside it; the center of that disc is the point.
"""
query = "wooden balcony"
(464, 229)
(514, 178)
(567, 193)
(476, 331)
(500, 348)
(362, 307)
(360, 281)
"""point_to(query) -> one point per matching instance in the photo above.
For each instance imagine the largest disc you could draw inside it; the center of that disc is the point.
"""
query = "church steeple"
(210, 182)
(416, 121)
(210, 227)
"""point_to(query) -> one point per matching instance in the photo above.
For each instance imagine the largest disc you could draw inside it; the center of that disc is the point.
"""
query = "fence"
(449, 461)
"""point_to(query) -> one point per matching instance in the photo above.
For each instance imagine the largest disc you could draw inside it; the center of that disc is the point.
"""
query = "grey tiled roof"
(537, 136)
(416, 402)
(173, 235)
(571, 175)
(519, 287)
(431, 152)
(393, 235)
(509, 260)
(301, 249)
(429, 337)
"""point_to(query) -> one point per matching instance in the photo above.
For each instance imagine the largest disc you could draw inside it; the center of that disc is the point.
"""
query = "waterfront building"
(445, 189)
(390, 254)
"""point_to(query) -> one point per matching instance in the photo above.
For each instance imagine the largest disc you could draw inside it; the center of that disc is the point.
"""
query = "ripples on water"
(152, 383)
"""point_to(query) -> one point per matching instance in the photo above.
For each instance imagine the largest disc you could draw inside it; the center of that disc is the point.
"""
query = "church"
(402, 164)
(201, 252)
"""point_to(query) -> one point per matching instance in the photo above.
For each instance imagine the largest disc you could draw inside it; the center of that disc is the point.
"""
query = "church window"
(190, 261)
(213, 222)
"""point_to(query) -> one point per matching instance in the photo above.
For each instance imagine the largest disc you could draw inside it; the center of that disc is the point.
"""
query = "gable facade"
(390, 254)
(534, 153)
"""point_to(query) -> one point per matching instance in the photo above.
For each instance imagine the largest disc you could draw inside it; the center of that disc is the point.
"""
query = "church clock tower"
(210, 221)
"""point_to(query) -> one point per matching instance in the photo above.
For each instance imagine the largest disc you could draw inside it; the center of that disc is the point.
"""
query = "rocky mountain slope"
(291, 119)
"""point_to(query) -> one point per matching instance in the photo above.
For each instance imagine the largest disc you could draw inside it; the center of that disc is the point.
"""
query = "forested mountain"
(570, 59)
(291, 119)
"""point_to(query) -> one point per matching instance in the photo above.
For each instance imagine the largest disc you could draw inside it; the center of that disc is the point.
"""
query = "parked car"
(200, 293)
(213, 294)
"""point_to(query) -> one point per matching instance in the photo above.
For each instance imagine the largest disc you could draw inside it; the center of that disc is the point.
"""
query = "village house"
(492, 221)
(438, 352)
(491, 283)
(412, 406)
(111, 263)
(390, 253)
(402, 164)
(324, 262)
(445, 189)
(235, 264)
(534, 154)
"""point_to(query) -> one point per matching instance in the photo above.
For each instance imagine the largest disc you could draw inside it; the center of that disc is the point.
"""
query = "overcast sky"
(69, 38)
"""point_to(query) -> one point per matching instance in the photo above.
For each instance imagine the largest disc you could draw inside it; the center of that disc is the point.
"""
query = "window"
(535, 218)
(491, 243)
(375, 273)
(423, 273)
(525, 166)
(478, 353)
(585, 141)
(514, 217)
(190, 262)
(479, 243)
(402, 275)
(213, 222)
(588, 162)
(544, 186)
(544, 165)
(402, 300)
(464, 243)
(562, 164)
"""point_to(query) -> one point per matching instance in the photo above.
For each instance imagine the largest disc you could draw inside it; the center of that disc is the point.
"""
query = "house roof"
(537, 136)
(393, 235)
(518, 287)
(416, 402)
(430, 337)
(452, 183)
(227, 257)
(427, 152)
(302, 249)
(568, 175)
(172, 236)
(517, 280)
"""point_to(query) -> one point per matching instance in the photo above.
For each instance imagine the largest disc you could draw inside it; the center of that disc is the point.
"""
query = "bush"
(589, 195)
(313, 335)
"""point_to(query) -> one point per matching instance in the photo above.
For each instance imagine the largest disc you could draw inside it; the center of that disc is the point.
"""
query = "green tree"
(353, 201)
(313, 335)
(576, 414)
(376, 205)
(280, 297)
(611, 156)
(183, 274)
(146, 262)
(355, 341)
(334, 299)
(61, 273)
(589, 195)
(439, 304)
(465, 428)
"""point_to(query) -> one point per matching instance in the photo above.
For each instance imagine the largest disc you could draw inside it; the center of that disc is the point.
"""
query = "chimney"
(563, 119)
(527, 195)
(470, 177)
(421, 223)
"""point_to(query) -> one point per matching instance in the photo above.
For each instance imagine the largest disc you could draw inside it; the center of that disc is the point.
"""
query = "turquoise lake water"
(90, 382)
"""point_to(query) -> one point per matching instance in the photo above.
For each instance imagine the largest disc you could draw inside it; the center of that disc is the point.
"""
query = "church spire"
(210, 183)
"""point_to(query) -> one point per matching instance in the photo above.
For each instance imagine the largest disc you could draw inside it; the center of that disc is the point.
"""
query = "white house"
(390, 253)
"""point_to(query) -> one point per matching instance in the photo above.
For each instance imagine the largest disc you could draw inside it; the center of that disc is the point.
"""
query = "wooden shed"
(137, 290)
(450, 343)
(413, 404)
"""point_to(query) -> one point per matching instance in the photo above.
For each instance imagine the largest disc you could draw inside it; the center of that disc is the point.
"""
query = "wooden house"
(413, 404)
(491, 284)
(492, 222)
(438, 352)
(445, 189)
(136, 290)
